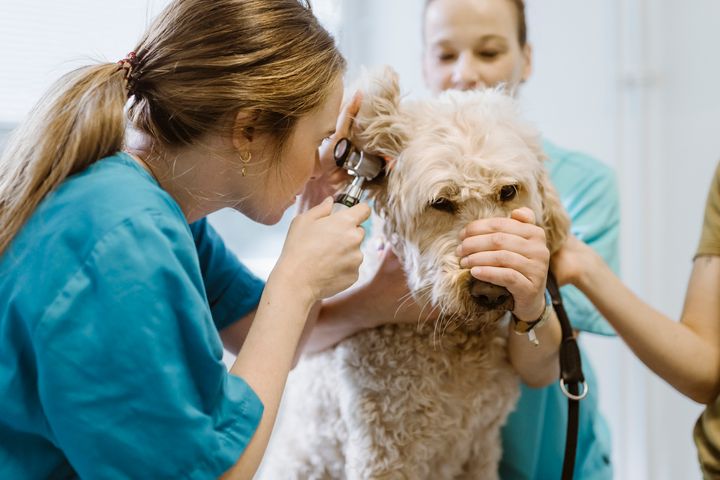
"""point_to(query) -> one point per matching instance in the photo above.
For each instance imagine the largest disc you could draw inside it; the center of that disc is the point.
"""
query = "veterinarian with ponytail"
(478, 43)
(685, 354)
(113, 286)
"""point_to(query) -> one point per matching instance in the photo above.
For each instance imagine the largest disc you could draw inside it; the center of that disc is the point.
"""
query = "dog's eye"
(508, 192)
(444, 205)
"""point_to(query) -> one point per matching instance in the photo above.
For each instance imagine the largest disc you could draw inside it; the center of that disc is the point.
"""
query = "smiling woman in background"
(113, 286)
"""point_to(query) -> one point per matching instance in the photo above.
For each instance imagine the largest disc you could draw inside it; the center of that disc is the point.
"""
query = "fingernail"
(475, 271)
(458, 250)
(464, 262)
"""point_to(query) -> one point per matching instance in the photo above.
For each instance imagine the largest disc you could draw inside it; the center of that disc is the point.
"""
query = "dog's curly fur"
(426, 401)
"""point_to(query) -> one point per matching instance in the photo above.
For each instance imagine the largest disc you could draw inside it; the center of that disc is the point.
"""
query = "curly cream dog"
(425, 402)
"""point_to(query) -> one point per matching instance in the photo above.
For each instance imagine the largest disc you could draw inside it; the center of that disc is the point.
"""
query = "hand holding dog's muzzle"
(511, 253)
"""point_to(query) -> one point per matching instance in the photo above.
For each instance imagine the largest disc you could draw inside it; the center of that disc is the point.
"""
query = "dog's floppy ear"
(379, 128)
(555, 220)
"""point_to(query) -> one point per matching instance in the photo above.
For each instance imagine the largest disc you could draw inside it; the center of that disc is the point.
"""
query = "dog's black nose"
(490, 296)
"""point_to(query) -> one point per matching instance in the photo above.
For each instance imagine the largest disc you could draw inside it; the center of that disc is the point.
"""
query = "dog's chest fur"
(425, 398)
(397, 402)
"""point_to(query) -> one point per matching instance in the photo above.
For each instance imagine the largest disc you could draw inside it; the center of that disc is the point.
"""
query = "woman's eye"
(444, 205)
(446, 57)
(488, 54)
(508, 192)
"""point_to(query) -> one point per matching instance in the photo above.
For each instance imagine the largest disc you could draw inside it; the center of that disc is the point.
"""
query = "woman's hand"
(333, 178)
(321, 255)
(572, 263)
(512, 253)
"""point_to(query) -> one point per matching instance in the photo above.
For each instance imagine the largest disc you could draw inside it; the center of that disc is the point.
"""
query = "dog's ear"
(378, 127)
(555, 220)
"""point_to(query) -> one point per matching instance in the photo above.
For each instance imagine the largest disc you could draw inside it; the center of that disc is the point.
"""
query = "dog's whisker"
(427, 317)
(399, 307)
(440, 325)
(446, 324)
(424, 306)
(408, 298)
(452, 319)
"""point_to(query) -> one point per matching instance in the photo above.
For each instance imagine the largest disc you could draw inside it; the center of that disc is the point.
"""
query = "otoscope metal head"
(357, 162)
(361, 165)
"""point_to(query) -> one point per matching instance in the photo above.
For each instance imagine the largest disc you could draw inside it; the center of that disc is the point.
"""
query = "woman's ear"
(243, 132)
(528, 62)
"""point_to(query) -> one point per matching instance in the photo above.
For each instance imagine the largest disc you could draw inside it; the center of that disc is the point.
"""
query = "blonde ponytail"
(77, 122)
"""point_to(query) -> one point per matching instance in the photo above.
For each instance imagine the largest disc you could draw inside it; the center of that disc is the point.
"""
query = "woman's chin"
(268, 219)
(264, 218)
(263, 215)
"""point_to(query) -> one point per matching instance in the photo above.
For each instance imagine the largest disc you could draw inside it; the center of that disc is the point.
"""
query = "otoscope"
(362, 165)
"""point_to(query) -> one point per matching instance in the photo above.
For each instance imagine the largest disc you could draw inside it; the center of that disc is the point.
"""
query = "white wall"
(42, 39)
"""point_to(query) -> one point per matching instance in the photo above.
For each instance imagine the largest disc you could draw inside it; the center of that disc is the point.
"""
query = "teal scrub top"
(534, 435)
(110, 358)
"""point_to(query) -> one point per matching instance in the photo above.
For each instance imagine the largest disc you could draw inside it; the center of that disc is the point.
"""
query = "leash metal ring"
(571, 396)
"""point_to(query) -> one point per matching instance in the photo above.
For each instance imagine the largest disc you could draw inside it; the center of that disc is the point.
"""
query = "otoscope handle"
(343, 201)
(339, 207)
(350, 196)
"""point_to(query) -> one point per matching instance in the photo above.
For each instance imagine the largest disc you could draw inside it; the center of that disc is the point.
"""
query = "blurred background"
(632, 82)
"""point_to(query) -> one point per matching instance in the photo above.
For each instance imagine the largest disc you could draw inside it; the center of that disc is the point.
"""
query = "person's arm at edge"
(686, 354)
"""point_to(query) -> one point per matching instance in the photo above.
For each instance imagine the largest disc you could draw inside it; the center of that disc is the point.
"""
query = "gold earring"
(245, 162)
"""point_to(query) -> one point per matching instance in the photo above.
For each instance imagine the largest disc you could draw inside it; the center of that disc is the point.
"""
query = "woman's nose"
(465, 73)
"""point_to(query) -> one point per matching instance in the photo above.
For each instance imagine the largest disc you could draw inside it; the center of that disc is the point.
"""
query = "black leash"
(572, 380)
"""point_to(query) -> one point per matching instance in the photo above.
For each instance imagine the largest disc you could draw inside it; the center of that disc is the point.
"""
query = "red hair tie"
(128, 64)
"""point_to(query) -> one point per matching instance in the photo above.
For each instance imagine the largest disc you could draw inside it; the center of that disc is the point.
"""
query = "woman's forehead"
(478, 18)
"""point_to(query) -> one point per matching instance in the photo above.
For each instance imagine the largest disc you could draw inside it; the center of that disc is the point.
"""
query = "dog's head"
(456, 158)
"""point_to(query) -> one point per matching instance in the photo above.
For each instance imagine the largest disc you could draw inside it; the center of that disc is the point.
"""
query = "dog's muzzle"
(491, 297)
